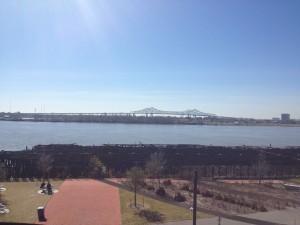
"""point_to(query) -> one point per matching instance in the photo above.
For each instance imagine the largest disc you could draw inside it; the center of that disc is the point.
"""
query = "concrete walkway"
(84, 202)
(290, 216)
(208, 221)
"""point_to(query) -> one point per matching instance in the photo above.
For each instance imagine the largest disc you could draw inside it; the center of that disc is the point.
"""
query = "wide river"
(18, 135)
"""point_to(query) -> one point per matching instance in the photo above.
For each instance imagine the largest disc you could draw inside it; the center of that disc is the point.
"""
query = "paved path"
(208, 221)
(290, 216)
(84, 202)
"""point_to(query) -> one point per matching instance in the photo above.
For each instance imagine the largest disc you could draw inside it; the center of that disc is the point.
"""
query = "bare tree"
(155, 165)
(94, 167)
(135, 179)
(2, 172)
(45, 164)
(262, 167)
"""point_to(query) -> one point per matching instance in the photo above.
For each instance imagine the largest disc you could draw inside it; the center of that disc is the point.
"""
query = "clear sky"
(232, 58)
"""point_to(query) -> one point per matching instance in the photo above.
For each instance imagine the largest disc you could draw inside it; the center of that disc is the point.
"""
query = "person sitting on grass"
(43, 185)
(49, 188)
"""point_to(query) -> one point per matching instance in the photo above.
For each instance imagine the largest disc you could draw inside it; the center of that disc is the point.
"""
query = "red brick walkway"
(84, 202)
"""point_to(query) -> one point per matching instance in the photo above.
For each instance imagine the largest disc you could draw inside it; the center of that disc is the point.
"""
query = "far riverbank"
(128, 118)
(170, 123)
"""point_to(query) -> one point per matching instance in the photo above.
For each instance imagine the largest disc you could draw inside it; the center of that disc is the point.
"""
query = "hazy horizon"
(233, 58)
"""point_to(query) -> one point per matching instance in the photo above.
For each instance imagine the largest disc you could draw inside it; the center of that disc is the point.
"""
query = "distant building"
(275, 119)
(285, 117)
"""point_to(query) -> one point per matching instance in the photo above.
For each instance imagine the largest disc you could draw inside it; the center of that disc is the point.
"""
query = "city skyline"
(237, 59)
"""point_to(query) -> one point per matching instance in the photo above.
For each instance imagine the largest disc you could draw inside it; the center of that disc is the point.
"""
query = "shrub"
(226, 198)
(179, 197)
(247, 204)
(144, 184)
(161, 191)
(262, 208)
(152, 216)
(232, 199)
(254, 206)
(198, 191)
(219, 197)
(185, 187)
(207, 193)
(167, 182)
(150, 188)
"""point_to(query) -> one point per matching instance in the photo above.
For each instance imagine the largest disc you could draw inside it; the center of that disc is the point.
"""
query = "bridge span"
(189, 113)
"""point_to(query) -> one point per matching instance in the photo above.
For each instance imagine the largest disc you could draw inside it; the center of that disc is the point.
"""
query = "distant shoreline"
(147, 118)
(163, 123)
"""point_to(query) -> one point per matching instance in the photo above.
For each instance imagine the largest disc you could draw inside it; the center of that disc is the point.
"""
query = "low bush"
(207, 193)
(254, 206)
(185, 187)
(219, 197)
(179, 197)
(167, 182)
(152, 216)
(150, 188)
(144, 184)
(262, 208)
(161, 192)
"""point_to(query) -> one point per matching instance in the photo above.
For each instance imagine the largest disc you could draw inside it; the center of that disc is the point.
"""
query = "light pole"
(195, 197)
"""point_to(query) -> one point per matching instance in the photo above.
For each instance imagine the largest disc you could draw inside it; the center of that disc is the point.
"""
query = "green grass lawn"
(156, 211)
(22, 200)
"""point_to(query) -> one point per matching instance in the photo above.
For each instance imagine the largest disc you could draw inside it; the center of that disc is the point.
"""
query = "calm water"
(18, 135)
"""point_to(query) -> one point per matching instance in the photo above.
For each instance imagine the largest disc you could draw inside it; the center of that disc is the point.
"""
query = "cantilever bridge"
(153, 111)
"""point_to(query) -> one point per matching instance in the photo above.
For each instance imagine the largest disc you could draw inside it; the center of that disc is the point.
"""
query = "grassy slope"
(22, 200)
(168, 211)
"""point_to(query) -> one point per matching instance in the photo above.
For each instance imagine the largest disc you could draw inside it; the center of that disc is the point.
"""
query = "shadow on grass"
(152, 216)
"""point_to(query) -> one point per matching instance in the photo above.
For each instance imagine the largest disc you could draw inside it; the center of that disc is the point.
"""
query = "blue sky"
(231, 58)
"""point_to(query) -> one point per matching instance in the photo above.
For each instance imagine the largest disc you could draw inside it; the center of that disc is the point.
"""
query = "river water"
(18, 135)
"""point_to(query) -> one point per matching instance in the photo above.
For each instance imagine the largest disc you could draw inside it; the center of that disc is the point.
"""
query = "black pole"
(195, 197)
